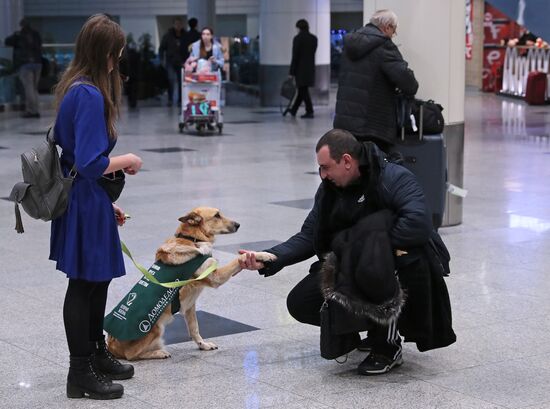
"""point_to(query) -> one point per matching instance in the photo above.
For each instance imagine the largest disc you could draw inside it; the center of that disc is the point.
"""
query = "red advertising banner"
(493, 59)
(498, 29)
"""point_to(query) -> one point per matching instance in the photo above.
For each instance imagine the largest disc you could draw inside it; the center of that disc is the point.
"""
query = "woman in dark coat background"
(302, 67)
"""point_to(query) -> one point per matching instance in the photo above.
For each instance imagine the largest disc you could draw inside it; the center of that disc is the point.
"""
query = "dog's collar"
(184, 236)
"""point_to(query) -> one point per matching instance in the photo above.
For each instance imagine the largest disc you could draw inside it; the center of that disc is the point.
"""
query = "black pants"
(83, 313)
(305, 300)
(303, 95)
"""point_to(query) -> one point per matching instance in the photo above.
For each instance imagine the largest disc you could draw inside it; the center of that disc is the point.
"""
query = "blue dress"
(84, 240)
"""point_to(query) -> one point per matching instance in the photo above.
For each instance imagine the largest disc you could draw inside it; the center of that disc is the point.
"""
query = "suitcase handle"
(420, 127)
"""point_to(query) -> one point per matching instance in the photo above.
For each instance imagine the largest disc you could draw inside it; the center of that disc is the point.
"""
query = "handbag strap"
(50, 135)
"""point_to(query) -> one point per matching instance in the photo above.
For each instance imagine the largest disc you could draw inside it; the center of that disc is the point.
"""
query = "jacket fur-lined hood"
(383, 313)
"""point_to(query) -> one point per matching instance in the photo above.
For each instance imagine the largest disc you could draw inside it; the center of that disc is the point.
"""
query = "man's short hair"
(302, 24)
(193, 22)
(384, 18)
(340, 142)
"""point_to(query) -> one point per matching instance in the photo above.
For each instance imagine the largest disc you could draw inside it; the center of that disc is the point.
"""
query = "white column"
(138, 25)
(277, 29)
(431, 37)
(11, 12)
(204, 11)
(252, 25)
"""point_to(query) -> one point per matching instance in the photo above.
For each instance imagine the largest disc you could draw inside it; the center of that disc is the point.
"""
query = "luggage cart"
(201, 102)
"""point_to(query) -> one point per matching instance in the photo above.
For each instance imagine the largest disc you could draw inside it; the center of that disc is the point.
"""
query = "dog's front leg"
(224, 273)
(193, 328)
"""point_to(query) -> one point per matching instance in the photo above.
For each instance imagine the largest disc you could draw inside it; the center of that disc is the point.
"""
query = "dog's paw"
(207, 346)
(264, 256)
(161, 354)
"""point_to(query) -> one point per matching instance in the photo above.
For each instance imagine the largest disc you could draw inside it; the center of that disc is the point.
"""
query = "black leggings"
(83, 313)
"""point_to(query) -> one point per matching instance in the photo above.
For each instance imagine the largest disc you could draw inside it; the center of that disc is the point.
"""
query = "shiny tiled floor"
(262, 173)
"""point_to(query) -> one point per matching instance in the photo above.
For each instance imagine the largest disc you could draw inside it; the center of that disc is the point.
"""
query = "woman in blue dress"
(84, 241)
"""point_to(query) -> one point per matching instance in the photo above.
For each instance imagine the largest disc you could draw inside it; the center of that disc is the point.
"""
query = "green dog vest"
(139, 310)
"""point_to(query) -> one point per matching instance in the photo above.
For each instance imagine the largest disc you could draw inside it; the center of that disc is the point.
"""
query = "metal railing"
(518, 63)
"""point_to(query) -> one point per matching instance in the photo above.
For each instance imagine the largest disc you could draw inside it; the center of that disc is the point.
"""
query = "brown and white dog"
(193, 237)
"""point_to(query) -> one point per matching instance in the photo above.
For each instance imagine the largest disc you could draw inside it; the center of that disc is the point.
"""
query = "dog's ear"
(192, 219)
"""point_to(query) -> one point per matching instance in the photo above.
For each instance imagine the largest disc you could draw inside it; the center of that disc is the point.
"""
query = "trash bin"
(454, 138)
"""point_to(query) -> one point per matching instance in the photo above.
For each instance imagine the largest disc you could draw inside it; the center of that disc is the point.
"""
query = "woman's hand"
(135, 164)
(119, 215)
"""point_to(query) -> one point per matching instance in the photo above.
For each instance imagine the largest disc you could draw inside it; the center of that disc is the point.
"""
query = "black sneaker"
(366, 345)
(377, 364)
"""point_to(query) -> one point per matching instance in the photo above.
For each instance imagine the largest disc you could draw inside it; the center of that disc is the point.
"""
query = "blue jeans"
(174, 83)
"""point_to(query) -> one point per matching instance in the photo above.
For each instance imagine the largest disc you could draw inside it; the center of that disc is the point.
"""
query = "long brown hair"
(202, 53)
(99, 40)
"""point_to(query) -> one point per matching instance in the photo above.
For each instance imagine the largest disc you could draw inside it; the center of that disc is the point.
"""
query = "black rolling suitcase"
(426, 157)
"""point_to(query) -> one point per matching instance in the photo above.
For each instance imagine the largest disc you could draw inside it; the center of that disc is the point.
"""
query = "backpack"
(408, 116)
(44, 192)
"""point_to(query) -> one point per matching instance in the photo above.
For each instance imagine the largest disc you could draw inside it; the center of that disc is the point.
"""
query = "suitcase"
(535, 91)
(426, 157)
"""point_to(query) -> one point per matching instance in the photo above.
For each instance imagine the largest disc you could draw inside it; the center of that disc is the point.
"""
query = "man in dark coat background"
(27, 59)
(302, 68)
(357, 182)
(172, 52)
(372, 72)
(193, 34)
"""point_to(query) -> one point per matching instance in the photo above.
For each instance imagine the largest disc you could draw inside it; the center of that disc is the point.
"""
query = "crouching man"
(357, 182)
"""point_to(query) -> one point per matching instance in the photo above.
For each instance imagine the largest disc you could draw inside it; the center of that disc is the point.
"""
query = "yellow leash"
(173, 284)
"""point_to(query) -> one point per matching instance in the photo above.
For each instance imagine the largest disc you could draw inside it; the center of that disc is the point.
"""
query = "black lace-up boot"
(84, 380)
(107, 364)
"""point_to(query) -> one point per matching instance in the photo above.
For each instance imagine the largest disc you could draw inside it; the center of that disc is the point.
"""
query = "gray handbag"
(44, 192)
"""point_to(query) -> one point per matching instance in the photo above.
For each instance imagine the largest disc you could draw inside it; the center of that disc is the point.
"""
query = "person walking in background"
(130, 71)
(371, 72)
(84, 240)
(193, 34)
(27, 59)
(172, 51)
(302, 68)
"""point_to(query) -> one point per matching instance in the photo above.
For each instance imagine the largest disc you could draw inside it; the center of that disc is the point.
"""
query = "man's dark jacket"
(302, 66)
(27, 47)
(172, 47)
(191, 36)
(397, 190)
(371, 71)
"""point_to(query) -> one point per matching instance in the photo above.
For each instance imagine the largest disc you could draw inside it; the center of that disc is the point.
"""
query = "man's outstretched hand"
(249, 262)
